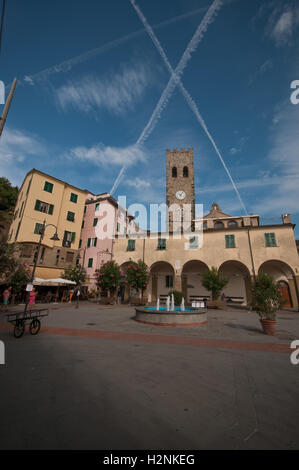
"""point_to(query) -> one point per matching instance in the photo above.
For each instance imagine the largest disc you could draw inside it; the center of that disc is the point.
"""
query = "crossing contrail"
(187, 96)
(67, 65)
(174, 80)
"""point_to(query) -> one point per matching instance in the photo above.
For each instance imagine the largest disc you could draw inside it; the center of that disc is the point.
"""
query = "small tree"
(19, 279)
(214, 282)
(108, 276)
(267, 298)
(76, 274)
(137, 275)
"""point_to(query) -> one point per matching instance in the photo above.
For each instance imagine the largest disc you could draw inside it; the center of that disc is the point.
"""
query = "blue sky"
(88, 86)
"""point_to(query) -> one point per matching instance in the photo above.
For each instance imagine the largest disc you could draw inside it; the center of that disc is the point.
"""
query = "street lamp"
(42, 233)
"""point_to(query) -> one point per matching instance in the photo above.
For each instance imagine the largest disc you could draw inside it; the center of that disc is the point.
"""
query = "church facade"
(239, 247)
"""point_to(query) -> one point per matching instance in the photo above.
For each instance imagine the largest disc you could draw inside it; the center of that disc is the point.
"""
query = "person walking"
(32, 297)
(6, 295)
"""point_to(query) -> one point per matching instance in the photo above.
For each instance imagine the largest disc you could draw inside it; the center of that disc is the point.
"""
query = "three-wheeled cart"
(31, 317)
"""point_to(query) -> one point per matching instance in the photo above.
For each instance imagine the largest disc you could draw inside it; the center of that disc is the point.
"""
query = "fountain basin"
(190, 317)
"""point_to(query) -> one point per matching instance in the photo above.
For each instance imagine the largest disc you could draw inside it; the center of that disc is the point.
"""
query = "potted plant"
(214, 282)
(267, 300)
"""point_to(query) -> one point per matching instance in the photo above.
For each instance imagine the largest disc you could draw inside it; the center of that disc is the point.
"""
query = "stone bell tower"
(180, 185)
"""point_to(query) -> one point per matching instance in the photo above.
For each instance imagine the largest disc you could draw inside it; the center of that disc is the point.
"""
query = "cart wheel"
(19, 329)
(34, 326)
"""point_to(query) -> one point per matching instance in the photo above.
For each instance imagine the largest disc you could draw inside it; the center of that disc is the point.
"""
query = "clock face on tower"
(180, 195)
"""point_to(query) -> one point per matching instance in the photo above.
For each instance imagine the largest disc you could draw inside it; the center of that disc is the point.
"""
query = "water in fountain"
(172, 302)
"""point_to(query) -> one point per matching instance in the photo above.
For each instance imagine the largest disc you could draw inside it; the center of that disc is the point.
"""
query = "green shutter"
(48, 187)
(131, 245)
(38, 228)
(95, 221)
(230, 241)
(80, 243)
(97, 206)
(95, 242)
(74, 197)
(90, 260)
(71, 216)
(161, 243)
(270, 239)
(88, 242)
(37, 205)
(73, 237)
(51, 208)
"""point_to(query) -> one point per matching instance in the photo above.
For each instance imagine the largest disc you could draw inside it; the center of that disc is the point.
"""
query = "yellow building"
(43, 198)
(239, 247)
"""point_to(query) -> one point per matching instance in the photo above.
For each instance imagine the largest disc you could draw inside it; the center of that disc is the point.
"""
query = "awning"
(53, 282)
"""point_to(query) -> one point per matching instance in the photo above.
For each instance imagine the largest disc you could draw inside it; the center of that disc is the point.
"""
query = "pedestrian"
(32, 296)
(223, 297)
(6, 295)
(71, 295)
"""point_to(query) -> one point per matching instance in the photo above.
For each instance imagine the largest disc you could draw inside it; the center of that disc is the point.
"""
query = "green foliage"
(178, 296)
(8, 263)
(8, 195)
(76, 274)
(267, 298)
(137, 275)
(20, 278)
(108, 276)
(214, 282)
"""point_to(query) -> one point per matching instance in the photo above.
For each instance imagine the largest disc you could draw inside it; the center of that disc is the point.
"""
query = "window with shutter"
(74, 198)
(88, 242)
(270, 239)
(48, 187)
(71, 216)
(90, 261)
(193, 243)
(95, 221)
(161, 244)
(131, 245)
(38, 228)
(230, 241)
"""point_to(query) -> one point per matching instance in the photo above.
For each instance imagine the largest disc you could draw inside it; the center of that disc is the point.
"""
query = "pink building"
(103, 218)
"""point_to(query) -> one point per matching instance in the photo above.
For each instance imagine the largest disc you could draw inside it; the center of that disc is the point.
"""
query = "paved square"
(95, 379)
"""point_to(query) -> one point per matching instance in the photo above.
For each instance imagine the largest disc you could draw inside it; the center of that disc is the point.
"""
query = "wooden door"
(285, 292)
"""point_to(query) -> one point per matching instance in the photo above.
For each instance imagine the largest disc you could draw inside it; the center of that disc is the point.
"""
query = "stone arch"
(124, 292)
(239, 286)
(162, 277)
(282, 273)
(192, 288)
(218, 224)
(232, 224)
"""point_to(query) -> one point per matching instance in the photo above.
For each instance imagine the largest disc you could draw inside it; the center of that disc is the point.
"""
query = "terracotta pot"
(268, 326)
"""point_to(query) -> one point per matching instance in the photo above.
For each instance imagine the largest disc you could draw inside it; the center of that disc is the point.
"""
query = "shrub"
(178, 296)
(108, 276)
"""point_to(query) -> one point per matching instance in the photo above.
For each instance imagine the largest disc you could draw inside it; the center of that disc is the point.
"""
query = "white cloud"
(100, 154)
(138, 183)
(116, 94)
(282, 23)
(15, 148)
(284, 162)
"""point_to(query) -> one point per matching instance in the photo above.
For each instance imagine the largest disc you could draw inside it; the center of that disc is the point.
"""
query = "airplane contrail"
(187, 96)
(67, 65)
(174, 79)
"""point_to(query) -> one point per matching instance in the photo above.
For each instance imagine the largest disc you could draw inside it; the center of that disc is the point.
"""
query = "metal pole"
(35, 263)
(7, 106)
